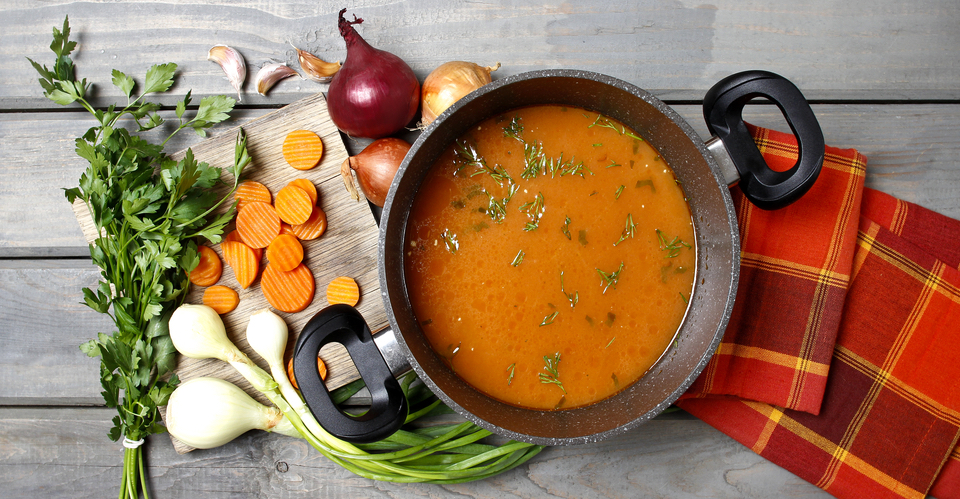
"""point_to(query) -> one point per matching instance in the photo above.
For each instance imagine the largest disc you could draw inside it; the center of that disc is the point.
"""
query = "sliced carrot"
(221, 298)
(285, 252)
(285, 228)
(321, 367)
(251, 190)
(288, 291)
(307, 187)
(235, 235)
(241, 259)
(293, 205)
(258, 224)
(302, 149)
(313, 228)
(208, 271)
(343, 290)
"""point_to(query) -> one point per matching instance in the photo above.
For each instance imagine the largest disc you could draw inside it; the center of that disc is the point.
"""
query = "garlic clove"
(316, 68)
(232, 64)
(270, 74)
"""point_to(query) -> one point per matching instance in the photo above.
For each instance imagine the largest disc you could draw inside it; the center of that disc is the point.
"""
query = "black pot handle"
(723, 111)
(388, 406)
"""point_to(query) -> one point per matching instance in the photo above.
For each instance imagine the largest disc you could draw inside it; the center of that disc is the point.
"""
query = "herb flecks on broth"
(496, 208)
(628, 229)
(565, 228)
(574, 297)
(552, 375)
(603, 121)
(540, 168)
(548, 320)
(534, 209)
(450, 240)
(609, 279)
(467, 156)
(536, 161)
(672, 247)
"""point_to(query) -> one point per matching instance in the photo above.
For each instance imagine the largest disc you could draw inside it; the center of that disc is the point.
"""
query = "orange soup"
(549, 257)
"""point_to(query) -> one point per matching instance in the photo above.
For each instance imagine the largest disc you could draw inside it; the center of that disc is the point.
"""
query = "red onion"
(375, 93)
(376, 166)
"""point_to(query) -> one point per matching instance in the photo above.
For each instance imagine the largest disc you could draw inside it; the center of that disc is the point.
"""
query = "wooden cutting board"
(347, 248)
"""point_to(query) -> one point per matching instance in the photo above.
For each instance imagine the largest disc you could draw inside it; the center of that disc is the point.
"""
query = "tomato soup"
(549, 257)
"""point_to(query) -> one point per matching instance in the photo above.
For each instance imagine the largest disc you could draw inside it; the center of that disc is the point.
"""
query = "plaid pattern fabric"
(888, 418)
(794, 272)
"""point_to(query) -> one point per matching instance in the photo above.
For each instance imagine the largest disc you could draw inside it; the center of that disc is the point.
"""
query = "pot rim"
(709, 349)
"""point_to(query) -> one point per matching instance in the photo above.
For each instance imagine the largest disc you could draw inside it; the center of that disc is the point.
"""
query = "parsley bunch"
(149, 210)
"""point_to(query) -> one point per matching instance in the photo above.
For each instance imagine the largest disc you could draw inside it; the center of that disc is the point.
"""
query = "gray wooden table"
(883, 75)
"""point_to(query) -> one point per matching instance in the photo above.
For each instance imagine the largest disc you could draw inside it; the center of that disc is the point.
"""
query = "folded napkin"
(840, 363)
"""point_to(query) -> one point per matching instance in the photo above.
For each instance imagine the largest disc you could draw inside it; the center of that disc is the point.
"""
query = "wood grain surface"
(678, 49)
(883, 76)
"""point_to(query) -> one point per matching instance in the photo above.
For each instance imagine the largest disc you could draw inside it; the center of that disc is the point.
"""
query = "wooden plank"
(43, 323)
(912, 151)
(834, 50)
(64, 453)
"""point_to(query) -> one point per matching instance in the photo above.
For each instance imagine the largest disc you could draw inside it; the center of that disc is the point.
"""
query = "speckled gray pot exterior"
(717, 271)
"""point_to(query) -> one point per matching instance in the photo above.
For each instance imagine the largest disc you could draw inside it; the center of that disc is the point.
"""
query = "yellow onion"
(375, 168)
(449, 83)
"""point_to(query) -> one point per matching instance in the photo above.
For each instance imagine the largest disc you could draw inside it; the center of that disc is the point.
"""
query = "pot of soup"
(559, 256)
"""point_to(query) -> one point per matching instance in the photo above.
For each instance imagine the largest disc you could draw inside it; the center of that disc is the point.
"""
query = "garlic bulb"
(208, 412)
(232, 64)
(270, 74)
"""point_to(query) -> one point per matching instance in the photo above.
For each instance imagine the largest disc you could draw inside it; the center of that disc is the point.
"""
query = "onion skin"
(375, 93)
(375, 168)
(449, 83)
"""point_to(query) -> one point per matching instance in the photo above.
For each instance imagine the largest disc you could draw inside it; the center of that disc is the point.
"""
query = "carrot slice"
(285, 252)
(288, 291)
(307, 187)
(343, 290)
(208, 271)
(235, 235)
(241, 259)
(221, 299)
(258, 224)
(321, 367)
(313, 228)
(302, 149)
(293, 205)
(251, 190)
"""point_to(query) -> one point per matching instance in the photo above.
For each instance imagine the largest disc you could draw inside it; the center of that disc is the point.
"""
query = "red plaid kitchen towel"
(794, 272)
(889, 415)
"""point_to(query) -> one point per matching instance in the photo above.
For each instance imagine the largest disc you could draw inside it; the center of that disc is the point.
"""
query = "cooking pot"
(706, 169)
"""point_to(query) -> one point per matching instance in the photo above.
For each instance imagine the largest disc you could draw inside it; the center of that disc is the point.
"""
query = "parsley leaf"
(148, 219)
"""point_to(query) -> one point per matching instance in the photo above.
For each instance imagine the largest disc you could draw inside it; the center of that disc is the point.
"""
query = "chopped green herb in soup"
(584, 232)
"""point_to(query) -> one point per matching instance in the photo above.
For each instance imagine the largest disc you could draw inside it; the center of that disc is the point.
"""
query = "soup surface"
(549, 257)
